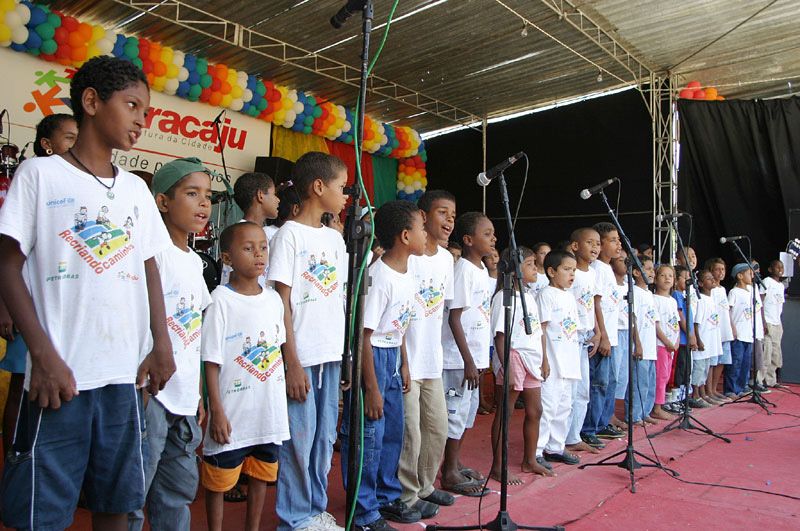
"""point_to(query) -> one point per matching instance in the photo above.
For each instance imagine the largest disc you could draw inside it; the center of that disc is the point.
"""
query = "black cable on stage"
(762, 431)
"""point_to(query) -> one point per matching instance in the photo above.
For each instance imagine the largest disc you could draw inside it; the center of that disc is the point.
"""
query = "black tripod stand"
(503, 521)
(754, 396)
(628, 462)
(684, 421)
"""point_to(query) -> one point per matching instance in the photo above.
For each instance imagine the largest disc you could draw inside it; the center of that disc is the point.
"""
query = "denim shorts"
(93, 442)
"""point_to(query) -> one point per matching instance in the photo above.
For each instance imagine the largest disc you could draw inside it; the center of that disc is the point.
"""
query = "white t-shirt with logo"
(759, 315)
(773, 301)
(433, 285)
(558, 309)
(644, 308)
(541, 282)
(85, 259)
(387, 308)
(720, 297)
(584, 289)
(472, 291)
(313, 262)
(528, 346)
(225, 275)
(622, 320)
(668, 319)
(243, 334)
(609, 303)
(741, 303)
(706, 318)
(185, 298)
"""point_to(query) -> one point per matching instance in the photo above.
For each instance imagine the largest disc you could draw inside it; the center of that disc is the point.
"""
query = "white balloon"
(5, 44)
(338, 133)
(381, 129)
(346, 127)
(13, 20)
(409, 190)
(291, 116)
(19, 35)
(237, 104)
(171, 86)
(105, 45)
(287, 124)
(183, 74)
(401, 185)
(417, 185)
(298, 108)
(341, 110)
(177, 58)
(24, 13)
(384, 140)
(247, 95)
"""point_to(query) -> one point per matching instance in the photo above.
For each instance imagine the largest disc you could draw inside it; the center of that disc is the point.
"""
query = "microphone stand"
(225, 181)
(357, 234)
(684, 421)
(629, 461)
(754, 396)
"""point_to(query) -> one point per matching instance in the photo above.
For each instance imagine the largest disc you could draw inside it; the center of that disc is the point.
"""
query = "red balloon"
(324, 114)
(699, 94)
(61, 36)
(216, 84)
(48, 56)
(686, 94)
(63, 51)
(70, 24)
(694, 84)
(205, 94)
(269, 85)
(144, 42)
(147, 66)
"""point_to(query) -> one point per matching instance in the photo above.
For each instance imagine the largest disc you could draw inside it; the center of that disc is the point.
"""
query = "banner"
(174, 128)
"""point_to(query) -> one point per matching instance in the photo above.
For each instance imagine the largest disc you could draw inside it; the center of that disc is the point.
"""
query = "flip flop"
(236, 494)
(462, 489)
(472, 474)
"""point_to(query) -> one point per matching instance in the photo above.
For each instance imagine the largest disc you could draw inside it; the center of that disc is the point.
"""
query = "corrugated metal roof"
(471, 54)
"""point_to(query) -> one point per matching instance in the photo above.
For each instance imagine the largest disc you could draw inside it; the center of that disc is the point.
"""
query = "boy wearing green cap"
(182, 190)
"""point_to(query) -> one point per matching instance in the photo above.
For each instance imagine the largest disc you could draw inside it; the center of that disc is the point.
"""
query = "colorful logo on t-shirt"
(321, 273)
(748, 313)
(429, 297)
(186, 321)
(261, 359)
(779, 297)
(532, 320)
(401, 323)
(484, 309)
(99, 238)
(673, 323)
(586, 300)
(614, 296)
(569, 327)
(650, 316)
(713, 319)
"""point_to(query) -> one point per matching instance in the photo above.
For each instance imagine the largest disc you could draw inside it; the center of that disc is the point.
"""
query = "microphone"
(670, 217)
(24, 149)
(586, 193)
(218, 119)
(3, 113)
(726, 239)
(347, 11)
(485, 177)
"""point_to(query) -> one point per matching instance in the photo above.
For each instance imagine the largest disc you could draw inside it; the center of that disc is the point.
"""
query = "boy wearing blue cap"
(182, 190)
(740, 300)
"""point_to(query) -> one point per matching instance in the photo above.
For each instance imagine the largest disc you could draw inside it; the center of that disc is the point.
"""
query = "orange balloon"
(215, 98)
(694, 84)
(75, 39)
(151, 78)
(711, 93)
(78, 53)
(159, 69)
(222, 72)
(720, 98)
(85, 31)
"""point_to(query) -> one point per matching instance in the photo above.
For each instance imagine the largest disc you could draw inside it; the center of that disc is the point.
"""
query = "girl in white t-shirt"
(527, 365)
(667, 333)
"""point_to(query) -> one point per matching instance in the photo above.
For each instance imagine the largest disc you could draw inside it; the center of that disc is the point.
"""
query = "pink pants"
(663, 368)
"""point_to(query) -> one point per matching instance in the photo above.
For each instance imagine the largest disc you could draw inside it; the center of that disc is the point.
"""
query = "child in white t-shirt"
(558, 312)
(646, 322)
(667, 334)
(424, 406)
(466, 338)
(706, 319)
(485, 407)
(308, 263)
(620, 268)
(740, 299)
(527, 365)
(540, 250)
(720, 296)
(387, 312)
(773, 307)
(254, 193)
(246, 388)
(182, 189)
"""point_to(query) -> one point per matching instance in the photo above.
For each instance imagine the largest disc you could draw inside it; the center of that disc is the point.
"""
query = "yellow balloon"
(226, 100)
(408, 180)
(172, 70)
(280, 113)
(7, 5)
(98, 32)
(159, 82)
(233, 78)
(5, 33)
(286, 103)
(424, 181)
(93, 51)
(236, 91)
(284, 91)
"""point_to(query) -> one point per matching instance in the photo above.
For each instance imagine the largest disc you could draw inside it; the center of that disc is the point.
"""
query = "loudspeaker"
(794, 232)
(278, 168)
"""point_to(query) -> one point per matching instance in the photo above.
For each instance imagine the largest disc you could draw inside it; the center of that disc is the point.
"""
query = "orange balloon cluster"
(695, 91)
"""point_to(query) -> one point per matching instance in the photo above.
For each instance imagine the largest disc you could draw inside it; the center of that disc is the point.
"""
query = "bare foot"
(614, 421)
(459, 484)
(512, 479)
(650, 420)
(536, 468)
(662, 415)
(582, 447)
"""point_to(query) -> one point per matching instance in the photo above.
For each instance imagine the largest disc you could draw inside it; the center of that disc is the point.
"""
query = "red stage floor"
(600, 497)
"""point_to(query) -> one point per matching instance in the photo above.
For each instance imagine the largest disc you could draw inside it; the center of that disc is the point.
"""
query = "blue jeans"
(383, 440)
(621, 355)
(305, 459)
(735, 375)
(644, 389)
(580, 397)
(170, 472)
(600, 385)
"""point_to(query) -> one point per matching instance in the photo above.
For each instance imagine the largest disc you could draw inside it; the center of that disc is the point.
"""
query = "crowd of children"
(118, 321)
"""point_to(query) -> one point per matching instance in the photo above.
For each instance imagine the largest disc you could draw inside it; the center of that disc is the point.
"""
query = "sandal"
(472, 474)
(235, 495)
(464, 487)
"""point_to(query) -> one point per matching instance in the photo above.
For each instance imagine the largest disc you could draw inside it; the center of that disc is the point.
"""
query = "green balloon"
(33, 51)
(45, 30)
(137, 62)
(309, 120)
(262, 104)
(131, 51)
(132, 41)
(307, 129)
(205, 81)
(311, 100)
(49, 46)
(195, 90)
(253, 111)
(192, 98)
(54, 20)
(317, 112)
(260, 88)
(201, 67)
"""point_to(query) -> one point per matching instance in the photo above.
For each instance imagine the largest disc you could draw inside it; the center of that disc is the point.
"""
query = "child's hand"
(405, 375)
(638, 352)
(700, 345)
(605, 346)
(692, 341)
(6, 324)
(51, 380)
(545, 370)
(220, 427)
(471, 375)
(201, 411)
(595, 345)
(373, 404)
(297, 382)
(158, 367)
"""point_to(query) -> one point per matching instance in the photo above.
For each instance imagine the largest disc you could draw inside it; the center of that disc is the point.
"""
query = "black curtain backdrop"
(740, 173)
(570, 148)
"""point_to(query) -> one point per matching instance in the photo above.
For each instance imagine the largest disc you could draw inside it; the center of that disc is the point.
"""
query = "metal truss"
(210, 25)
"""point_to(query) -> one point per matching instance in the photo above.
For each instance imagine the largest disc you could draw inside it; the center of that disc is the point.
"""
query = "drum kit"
(206, 242)
(9, 160)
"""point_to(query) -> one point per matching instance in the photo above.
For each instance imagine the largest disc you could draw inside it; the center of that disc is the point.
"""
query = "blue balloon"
(18, 47)
(34, 41)
(298, 127)
(194, 78)
(183, 89)
(300, 119)
(125, 58)
(245, 106)
(252, 82)
(256, 99)
(118, 51)
(189, 62)
(302, 98)
(122, 40)
(402, 194)
(37, 17)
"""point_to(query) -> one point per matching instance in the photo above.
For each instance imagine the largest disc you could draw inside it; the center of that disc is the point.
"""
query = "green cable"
(357, 286)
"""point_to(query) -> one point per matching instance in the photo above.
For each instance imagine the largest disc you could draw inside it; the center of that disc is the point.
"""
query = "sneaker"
(698, 403)
(609, 432)
(397, 511)
(672, 407)
(426, 509)
(440, 497)
(542, 461)
(563, 457)
(326, 521)
(592, 441)
(378, 525)
(762, 389)
(778, 386)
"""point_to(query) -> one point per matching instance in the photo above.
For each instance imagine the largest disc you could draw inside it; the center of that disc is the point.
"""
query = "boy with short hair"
(242, 338)
(466, 338)
(92, 306)
(720, 296)
(182, 189)
(741, 303)
(645, 354)
(686, 338)
(385, 376)
(424, 404)
(709, 346)
(773, 307)
(558, 312)
(585, 245)
(308, 264)
(255, 194)
(620, 269)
